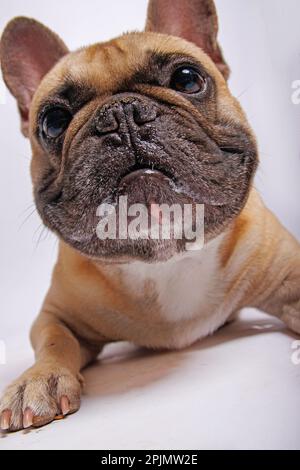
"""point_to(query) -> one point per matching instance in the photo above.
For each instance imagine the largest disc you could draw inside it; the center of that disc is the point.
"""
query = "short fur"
(125, 118)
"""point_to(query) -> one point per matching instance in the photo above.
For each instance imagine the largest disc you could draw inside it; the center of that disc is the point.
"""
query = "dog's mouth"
(143, 174)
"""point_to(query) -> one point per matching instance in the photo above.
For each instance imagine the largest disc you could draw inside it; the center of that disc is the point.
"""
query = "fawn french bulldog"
(148, 115)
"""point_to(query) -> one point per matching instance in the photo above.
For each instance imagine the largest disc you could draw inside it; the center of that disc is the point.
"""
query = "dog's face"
(147, 116)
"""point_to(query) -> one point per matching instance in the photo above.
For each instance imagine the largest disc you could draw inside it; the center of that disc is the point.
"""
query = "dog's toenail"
(65, 405)
(5, 420)
(27, 418)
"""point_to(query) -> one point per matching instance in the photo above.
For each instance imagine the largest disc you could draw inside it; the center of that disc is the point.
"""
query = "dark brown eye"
(187, 80)
(55, 122)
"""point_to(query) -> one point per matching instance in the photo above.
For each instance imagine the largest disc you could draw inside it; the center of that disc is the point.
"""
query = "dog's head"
(147, 115)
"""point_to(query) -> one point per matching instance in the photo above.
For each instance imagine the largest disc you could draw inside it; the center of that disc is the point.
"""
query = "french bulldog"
(149, 116)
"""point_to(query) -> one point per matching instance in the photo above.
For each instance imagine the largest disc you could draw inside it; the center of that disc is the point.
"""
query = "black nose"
(121, 114)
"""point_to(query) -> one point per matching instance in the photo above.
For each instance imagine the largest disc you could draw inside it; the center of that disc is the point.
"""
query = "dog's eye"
(187, 80)
(55, 122)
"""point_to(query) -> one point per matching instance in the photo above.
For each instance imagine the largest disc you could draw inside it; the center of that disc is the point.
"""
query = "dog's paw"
(291, 316)
(38, 396)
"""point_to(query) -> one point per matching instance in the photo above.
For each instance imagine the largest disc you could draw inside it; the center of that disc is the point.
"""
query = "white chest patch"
(185, 286)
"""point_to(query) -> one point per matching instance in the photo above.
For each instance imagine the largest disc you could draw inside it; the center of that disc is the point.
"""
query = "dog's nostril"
(143, 114)
(113, 139)
(107, 123)
(118, 116)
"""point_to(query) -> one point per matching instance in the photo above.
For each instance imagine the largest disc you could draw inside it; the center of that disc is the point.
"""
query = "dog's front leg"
(53, 385)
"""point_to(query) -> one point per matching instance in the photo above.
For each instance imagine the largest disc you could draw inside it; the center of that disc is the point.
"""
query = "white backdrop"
(261, 41)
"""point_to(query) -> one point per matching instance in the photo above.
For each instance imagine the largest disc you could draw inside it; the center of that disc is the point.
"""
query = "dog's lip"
(143, 173)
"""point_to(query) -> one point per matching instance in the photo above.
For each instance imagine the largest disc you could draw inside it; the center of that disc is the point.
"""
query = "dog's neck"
(181, 286)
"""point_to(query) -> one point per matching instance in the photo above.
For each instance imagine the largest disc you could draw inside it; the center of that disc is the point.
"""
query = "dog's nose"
(116, 116)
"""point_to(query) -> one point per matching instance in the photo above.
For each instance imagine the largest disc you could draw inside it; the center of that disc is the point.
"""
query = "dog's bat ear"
(193, 20)
(28, 50)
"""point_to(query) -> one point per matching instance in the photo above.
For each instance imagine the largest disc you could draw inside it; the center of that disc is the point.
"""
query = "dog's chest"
(180, 289)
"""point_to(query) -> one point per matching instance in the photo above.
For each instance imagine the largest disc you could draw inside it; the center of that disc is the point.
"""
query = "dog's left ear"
(193, 20)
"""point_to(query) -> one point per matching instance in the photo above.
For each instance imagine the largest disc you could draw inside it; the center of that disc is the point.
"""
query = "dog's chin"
(120, 252)
(77, 223)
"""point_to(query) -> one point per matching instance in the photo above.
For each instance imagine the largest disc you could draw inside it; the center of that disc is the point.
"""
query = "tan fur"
(90, 303)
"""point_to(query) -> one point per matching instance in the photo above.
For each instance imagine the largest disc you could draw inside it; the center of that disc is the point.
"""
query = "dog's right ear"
(28, 51)
(193, 20)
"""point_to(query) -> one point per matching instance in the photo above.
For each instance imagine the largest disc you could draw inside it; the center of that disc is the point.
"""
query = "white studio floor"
(236, 390)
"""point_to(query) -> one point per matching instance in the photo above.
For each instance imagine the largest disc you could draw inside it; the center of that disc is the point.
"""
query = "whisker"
(27, 209)
(243, 92)
(27, 218)
(43, 236)
(43, 230)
